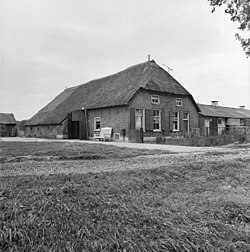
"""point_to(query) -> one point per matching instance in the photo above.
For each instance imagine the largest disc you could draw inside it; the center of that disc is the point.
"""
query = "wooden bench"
(105, 134)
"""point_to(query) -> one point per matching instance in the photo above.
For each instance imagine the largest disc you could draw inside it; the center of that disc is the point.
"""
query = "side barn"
(217, 120)
(142, 98)
(7, 125)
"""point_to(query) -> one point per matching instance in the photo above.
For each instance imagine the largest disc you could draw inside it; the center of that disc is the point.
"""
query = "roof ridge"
(221, 106)
(111, 75)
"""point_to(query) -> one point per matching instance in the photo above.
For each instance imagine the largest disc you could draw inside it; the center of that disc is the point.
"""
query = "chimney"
(242, 107)
(214, 103)
(148, 57)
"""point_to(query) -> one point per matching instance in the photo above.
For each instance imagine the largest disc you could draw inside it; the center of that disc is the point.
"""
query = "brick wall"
(46, 131)
(116, 117)
(167, 106)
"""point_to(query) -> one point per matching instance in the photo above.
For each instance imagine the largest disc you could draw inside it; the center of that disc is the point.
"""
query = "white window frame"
(143, 118)
(176, 119)
(186, 119)
(96, 119)
(178, 102)
(158, 117)
(155, 99)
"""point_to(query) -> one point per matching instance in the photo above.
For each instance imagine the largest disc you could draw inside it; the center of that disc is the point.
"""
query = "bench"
(105, 134)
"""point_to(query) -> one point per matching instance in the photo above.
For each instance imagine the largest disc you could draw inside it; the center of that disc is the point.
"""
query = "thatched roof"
(226, 112)
(114, 90)
(7, 118)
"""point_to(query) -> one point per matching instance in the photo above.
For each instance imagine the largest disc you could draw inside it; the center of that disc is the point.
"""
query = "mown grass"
(199, 206)
(23, 151)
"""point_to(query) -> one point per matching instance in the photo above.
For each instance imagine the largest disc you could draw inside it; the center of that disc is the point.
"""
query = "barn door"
(213, 126)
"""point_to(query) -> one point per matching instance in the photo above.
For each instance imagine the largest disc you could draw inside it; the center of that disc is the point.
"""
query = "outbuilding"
(7, 125)
(217, 120)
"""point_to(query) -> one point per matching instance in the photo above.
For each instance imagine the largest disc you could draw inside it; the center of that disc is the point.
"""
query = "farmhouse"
(142, 99)
(7, 124)
(216, 120)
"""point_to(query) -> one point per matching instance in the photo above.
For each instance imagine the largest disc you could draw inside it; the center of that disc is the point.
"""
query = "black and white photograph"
(124, 125)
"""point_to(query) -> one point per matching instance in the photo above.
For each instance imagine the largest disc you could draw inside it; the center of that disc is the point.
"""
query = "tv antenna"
(169, 69)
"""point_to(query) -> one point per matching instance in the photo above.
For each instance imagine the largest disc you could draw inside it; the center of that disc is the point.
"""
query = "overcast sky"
(47, 45)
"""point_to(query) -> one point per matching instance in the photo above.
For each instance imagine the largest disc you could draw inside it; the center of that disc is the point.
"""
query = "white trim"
(187, 119)
(157, 130)
(178, 102)
(178, 121)
(157, 97)
(143, 118)
(96, 119)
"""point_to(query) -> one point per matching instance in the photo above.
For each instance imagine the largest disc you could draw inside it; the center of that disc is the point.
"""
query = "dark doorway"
(77, 128)
(213, 127)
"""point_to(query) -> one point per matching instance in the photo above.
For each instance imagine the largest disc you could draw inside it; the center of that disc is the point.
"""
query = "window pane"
(178, 101)
(155, 99)
(156, 113)
(97, 123)
(185, 115)
(138, 122)
(138, 118)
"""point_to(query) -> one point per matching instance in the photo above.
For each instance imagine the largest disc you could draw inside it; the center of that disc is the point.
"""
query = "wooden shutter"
(180, 120)
(163, 120)
(171, 120)
(149, 119)
(132, 118)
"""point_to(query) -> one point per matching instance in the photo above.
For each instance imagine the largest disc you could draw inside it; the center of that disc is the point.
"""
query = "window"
(178, 102)
(156, 120)
(116, 136)
(185, 116)
(139, 119)
(97, 123)
(186, 122)
(155, 99)
(219, 121)
(176, 121)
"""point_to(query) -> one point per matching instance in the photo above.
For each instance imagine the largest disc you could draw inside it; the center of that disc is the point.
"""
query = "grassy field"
(191, 206)
(23, 151)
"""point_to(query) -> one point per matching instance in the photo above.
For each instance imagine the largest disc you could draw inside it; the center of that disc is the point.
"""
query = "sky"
(48, 45)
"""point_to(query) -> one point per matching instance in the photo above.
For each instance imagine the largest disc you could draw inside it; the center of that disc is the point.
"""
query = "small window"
(97, 123)
(185, 116)
(117, 136)
(157, 120)
(178, 102)
(155, 99)
(176, 121)
(219, 121)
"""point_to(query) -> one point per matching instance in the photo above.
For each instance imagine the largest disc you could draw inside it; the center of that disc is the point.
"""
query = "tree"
(239, 10)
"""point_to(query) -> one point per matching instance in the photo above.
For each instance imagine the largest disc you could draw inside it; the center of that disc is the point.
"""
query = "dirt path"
(180, 156)
(149, 146)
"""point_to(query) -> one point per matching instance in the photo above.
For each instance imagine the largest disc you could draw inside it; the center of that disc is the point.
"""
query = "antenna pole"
(169, 69)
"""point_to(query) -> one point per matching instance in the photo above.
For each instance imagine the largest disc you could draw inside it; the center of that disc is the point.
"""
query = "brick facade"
(119, 117)
(115, 117)
(120, 120)
(46, 131)
(167, 106)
